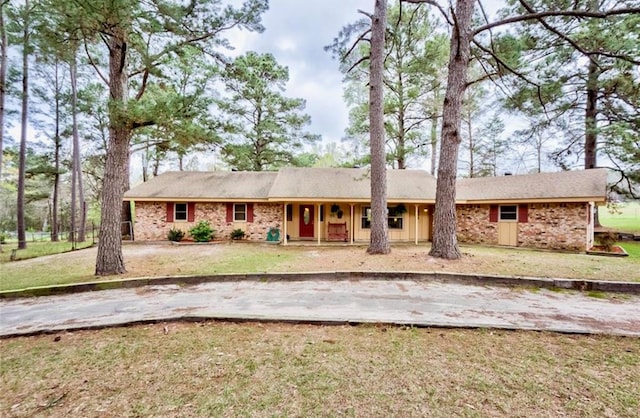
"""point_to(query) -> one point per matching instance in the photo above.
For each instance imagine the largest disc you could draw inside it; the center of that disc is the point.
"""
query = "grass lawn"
(39, 249)
(624, 218)
(632, 248)
(266, 370)
(163, 259)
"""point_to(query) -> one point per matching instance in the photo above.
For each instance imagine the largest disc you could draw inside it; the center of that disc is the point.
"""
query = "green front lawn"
(623, 217)
(39, 249)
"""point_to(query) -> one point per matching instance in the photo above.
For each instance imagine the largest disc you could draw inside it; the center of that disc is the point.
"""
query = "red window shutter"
(523, 214)
(229, 212)
(169, 212)
(493, 213)
(191, 212)
(249, 212)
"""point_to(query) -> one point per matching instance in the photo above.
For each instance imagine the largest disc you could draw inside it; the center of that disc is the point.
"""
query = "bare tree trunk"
(109, 259)
(591, 114)
(77, 165)
(445, 241)
(591, 134)
(57, 143)
(379, 243)
(3, 77)
(471, 146)
(22, 241)
(434, 143)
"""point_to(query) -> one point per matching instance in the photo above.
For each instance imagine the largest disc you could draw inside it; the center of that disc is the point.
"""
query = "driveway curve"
(406, 302)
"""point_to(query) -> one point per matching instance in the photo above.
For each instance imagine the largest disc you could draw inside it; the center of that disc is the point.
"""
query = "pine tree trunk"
(77, 165)
(3, 78)
(434, 142)
(109, 259)
(56, 177)
(445, 241)
(22, 239)
(591, 133)
(379, 242)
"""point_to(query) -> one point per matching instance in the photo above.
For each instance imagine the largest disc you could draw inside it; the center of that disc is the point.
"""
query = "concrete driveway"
(419, 303)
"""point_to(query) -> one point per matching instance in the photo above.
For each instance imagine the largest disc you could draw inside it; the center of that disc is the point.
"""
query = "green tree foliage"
(133, 46)
(415, 60)
(578, 80)
(263, 129)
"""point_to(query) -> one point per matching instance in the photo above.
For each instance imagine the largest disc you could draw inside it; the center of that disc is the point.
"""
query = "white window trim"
(175, 212)
(245, 212)
(507, 220)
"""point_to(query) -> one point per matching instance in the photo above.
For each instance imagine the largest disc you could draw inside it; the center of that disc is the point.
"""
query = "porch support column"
(353, 222)
(318, 221)
(284, 224)
(416, 222)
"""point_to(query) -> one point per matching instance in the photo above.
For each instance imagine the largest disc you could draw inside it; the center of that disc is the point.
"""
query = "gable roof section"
(205, 185)
(300, 184)
(583, 185)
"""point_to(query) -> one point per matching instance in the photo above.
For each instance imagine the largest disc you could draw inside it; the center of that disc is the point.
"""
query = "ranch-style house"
(545, 210)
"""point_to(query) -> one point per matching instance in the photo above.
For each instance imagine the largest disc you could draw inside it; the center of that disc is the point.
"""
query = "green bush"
(237, 234)
(202, 232)
(175, 235)
(607, 239)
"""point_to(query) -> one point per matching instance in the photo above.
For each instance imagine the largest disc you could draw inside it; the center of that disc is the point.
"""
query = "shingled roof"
(584, 185)
(298, 184)
(205, 185)
(350, 184)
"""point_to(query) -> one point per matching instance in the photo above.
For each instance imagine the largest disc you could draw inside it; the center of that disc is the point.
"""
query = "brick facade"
(151, 221)
(561, 226)
(558, 226)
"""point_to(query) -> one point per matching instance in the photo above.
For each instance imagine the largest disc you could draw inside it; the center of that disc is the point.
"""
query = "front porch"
(348, 223)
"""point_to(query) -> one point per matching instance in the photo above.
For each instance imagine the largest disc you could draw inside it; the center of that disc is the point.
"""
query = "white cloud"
(296, 33)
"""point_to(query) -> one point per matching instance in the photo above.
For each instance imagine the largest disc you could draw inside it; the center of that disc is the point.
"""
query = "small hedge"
(202, 232)
(237, 234)
(175, 235)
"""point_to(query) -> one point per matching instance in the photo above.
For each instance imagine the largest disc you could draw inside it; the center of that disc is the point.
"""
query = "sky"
(296, 33)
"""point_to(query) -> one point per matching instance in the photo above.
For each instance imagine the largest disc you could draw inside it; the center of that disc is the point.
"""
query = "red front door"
(307, 220)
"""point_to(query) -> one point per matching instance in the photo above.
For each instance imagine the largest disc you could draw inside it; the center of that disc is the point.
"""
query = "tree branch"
(557, 13)
(432, 3)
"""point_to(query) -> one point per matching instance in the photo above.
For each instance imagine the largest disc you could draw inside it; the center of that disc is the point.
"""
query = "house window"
(240, 212)
(289, 213)
(321, 213)
(180, 212)
(366, 218)
(394, 218)
(509, 213)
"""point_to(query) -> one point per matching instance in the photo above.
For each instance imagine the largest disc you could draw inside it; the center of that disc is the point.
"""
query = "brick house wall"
(151, 221)
(558, 226)
(474, 226)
